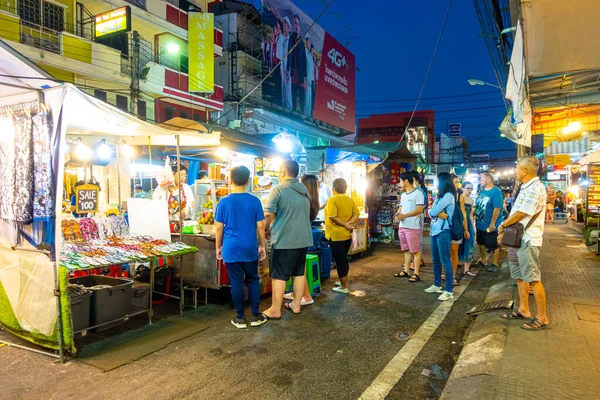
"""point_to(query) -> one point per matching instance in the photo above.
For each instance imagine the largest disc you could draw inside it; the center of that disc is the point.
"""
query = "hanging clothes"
(23, 183)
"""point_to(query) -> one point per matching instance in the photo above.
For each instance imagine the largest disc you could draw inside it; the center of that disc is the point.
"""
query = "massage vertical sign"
(201, 52)
(594, 187)
(86, 199)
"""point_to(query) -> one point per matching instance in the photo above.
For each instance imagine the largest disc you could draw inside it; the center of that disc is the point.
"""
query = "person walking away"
(287, 213)
(528, 211)
(310, 181)
(411, 208)
(455, 244)
(341, 214)
(551, 197)
(465, 252)
(441, 213)
(488, 215)
(239, 221)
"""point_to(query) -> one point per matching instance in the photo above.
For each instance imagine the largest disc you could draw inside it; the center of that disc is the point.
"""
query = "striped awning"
(576, 146)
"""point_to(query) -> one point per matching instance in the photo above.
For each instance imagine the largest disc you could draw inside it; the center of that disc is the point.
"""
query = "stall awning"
(591, 158)
(576, 146)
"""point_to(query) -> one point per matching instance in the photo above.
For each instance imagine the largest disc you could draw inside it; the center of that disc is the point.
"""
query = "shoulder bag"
(513, 234)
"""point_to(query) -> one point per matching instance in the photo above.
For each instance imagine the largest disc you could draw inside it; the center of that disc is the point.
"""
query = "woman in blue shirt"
(441, 215)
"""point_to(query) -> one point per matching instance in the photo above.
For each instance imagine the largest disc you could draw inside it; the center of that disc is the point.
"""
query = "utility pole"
(135, 72)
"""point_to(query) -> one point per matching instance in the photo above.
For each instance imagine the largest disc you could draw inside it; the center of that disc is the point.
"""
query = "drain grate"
(491, 306)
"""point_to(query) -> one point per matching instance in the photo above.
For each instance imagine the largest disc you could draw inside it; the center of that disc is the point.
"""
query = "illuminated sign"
(113, 21)
(201, 42)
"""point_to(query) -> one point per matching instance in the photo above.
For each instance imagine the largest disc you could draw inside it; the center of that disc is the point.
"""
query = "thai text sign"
(201, 52)
(113, 21)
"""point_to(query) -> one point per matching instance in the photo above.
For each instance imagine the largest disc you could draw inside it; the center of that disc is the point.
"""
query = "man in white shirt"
(325, 194)
(528, 210)
(412, 203)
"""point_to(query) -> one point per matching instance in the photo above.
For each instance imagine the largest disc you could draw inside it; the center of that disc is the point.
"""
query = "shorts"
(549, 206)
(410, 239)
(488, 239)
(524, 263)
(456, 241)
(286, 263)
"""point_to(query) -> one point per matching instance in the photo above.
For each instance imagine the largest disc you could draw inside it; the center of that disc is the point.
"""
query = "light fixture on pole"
(478, 82)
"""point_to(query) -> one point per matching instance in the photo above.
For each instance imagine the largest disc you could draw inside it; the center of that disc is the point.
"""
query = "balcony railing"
(40, 37)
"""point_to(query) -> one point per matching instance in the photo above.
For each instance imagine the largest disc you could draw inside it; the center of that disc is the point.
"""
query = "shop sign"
(594, 187)
(113, 21)
(86, 199)
(201, 36)
(454, 130)
(559, 159)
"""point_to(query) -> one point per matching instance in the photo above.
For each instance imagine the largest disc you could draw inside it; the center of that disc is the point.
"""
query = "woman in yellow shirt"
(340, 216)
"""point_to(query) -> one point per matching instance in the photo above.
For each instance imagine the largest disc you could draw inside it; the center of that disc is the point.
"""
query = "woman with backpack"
(455, 244)
(441, 213)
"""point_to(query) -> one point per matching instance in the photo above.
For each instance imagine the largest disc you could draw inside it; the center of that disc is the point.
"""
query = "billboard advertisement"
(201, 42)
(113, 21)
(317, 77)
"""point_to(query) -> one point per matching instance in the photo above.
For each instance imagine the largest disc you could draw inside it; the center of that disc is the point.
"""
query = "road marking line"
(391, 374)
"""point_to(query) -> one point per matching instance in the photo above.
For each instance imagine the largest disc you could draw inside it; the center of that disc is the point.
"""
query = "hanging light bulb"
(126, 150)
(82, 152)
(103, 151)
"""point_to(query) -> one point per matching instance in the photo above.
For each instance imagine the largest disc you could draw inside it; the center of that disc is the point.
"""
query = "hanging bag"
(513, 234)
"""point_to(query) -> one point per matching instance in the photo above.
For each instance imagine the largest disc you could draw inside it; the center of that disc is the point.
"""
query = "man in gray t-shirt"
(287, 213)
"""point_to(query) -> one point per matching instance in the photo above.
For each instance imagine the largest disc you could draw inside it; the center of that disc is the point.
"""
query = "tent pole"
(181, 294)
(61, 346)
(119, 177)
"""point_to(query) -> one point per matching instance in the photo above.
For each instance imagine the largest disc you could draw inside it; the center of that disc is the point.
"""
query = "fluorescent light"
(172, 48)
(103, 152)
(83, 152)
(222, 152)
(572, 127)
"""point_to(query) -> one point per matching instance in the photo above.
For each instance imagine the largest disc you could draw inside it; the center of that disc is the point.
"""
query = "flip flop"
(513, 315)
(287, 305)
(535, 325)
(470, 273)
(271, 318)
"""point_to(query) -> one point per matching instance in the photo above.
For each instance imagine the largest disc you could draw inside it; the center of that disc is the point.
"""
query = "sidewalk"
(502, 361)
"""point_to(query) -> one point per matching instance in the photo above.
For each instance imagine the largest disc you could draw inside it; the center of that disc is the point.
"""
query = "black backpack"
(457, 226)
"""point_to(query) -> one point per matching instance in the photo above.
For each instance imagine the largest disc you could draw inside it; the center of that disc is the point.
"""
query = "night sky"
(393, 42)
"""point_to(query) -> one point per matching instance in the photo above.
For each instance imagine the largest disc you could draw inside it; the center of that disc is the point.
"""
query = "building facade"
(142, 70)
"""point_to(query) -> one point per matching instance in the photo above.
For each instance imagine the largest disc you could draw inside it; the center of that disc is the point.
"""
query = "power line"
(430, 66)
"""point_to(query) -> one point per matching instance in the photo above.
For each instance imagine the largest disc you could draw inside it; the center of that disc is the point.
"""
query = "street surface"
(336, 348)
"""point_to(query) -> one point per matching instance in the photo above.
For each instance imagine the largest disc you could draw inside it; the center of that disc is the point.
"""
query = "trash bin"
(111, 299)
(80, 311)
(140, 297)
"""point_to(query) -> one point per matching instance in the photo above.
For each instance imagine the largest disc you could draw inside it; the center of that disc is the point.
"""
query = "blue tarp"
(334, 156)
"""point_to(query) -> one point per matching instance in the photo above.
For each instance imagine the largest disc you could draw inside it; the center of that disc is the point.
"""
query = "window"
(169, 111)
(142, 110)
(48, 14)
(122, 103)
(183, 114)
(197, 117)
(100, 95)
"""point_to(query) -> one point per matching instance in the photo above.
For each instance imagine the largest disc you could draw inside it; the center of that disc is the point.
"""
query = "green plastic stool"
(313, 275)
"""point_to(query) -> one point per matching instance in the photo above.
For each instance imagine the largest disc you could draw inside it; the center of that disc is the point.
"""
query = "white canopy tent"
(29, 276)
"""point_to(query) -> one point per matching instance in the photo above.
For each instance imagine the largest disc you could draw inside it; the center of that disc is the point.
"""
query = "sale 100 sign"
(86, 199)
(335, 101)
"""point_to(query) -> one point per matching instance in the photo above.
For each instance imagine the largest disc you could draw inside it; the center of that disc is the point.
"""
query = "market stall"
(48, 256)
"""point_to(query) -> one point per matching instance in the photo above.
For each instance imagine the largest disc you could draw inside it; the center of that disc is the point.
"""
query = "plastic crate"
(140, 297)
(80, 311)
(110, 303)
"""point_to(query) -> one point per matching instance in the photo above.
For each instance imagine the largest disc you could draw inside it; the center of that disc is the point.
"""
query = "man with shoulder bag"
(523, 232)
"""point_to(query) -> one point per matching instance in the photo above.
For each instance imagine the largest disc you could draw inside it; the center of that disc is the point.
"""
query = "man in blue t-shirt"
(239, 220)
(488, 216)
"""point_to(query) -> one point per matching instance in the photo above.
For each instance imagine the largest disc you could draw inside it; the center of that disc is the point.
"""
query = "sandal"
(402, 275)
(414, 278)
(455, 283)
(535, 325)
(513, 315)
(289, 307)
(469, 273)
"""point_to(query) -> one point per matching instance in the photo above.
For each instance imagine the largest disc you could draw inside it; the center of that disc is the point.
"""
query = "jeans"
(440, 251)
(236, 272)
(339, 252)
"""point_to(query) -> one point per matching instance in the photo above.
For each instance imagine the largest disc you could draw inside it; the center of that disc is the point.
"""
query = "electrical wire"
(429, 68)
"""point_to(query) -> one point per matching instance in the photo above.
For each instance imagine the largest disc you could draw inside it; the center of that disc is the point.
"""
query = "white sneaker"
(446, 296)
(434, 289)
(338, 283)
(341, 290)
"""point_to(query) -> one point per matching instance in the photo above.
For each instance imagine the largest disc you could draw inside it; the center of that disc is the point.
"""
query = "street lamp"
(477, 82)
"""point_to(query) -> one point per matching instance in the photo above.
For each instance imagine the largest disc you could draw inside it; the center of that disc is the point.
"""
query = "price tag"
(86, 199)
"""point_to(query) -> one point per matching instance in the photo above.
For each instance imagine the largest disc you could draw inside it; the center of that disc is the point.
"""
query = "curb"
(476, 372)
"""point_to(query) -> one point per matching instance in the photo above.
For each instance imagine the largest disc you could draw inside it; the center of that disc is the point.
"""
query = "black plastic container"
(80, 311)
(140, 297)
(110, 303)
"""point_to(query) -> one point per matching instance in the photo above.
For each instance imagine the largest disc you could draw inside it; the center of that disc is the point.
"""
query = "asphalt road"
(334, 349)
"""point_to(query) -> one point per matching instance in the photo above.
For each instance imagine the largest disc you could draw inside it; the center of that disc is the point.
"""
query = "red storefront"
(391, 127)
